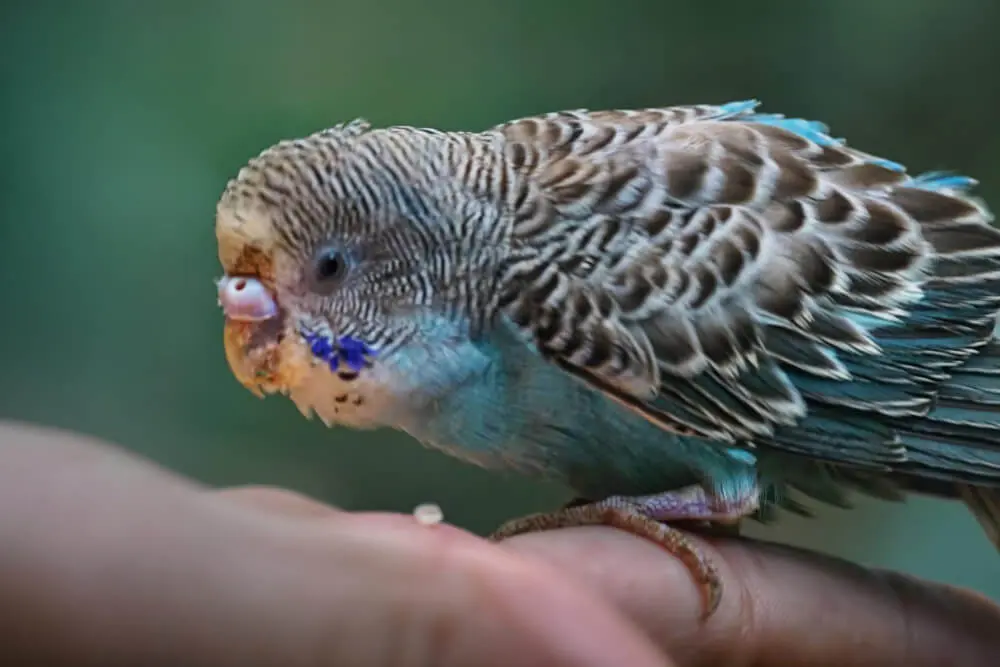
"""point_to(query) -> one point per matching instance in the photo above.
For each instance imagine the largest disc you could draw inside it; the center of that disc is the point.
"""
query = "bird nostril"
(240, 285)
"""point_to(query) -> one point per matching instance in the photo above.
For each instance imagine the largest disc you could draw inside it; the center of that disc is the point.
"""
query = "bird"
(689, 315)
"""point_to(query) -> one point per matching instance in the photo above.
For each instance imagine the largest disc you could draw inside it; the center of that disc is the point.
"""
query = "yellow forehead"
(244, 231)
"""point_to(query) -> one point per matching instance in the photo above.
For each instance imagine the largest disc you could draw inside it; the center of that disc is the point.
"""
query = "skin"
(109, 560)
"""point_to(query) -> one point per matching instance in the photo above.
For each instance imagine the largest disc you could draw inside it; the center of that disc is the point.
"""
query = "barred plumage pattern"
(677, 251)
(349, 184)
(729, 275)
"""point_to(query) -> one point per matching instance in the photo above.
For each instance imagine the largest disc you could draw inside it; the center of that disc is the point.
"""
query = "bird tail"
(958, 441)
(985, 506)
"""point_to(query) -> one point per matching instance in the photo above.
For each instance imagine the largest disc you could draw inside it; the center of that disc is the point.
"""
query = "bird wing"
(724, 272)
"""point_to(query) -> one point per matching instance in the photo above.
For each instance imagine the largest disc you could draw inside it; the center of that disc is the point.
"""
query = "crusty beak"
(260, 353)
(263, 356)
(254, 364)
(253, 332)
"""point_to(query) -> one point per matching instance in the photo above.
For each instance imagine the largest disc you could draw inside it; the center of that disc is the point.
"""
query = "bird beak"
(252, 335)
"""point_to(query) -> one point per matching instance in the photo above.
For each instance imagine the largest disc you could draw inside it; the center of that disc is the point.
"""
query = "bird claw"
(644, 517)
(674, 541)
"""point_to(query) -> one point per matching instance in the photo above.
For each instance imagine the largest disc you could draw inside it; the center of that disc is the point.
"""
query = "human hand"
(782, 606)
(109, 560)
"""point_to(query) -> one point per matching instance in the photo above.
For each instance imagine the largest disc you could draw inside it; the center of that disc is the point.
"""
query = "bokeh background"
(121, 122)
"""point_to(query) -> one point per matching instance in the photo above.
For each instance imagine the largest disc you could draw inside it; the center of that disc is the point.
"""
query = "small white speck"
(428, 514)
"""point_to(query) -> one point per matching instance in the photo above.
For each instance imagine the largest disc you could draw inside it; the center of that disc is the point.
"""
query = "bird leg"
(645, 516)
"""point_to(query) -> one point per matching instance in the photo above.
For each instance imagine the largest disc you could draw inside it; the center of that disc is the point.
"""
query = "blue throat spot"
(347, 350)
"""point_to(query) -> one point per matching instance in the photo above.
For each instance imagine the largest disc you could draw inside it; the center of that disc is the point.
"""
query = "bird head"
(345, 277)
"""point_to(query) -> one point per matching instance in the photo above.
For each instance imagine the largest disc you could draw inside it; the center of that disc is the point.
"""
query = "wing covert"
(696, 263)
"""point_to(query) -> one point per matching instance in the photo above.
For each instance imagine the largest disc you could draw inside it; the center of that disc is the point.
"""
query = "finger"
(278, 500)
(110, 560)
(780, 606)
(440, 596)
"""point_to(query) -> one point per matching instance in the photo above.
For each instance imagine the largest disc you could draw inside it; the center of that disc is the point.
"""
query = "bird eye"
(330, 267)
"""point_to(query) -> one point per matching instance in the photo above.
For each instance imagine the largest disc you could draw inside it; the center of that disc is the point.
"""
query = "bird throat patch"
(344, 353)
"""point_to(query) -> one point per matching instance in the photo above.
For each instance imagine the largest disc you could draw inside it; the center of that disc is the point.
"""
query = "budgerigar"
(683, 313)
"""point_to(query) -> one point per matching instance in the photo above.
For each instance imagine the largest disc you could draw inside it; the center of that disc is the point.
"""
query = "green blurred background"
(122, 121)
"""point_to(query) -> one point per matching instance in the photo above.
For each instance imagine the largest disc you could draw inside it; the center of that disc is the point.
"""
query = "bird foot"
(644, 516)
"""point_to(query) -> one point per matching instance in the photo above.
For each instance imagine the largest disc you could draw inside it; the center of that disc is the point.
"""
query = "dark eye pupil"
(329, 265)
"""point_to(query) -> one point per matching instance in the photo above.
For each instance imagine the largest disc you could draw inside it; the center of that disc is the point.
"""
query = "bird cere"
(694, 313)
